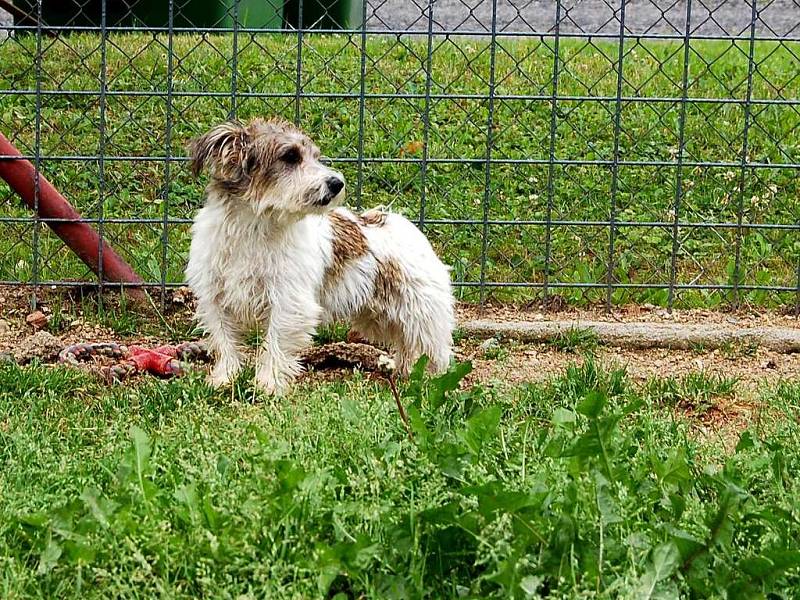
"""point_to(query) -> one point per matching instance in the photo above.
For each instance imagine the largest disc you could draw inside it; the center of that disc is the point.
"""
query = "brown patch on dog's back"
(389, 281)
(348, 243)
(374, 217)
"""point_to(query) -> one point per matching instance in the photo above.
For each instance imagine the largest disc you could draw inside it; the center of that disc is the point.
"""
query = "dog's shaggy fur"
(269, 250)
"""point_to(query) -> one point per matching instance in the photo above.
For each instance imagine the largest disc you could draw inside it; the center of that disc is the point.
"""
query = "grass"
(334, 332)
(576, 339)
(135, 126)
(579, 487)
(118, 313)
(695, 391)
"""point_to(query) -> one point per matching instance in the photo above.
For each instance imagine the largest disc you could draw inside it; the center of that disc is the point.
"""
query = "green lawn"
(135, 125)
(585, 486)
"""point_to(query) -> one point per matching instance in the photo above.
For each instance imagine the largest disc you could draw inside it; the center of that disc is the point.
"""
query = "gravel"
(5, 19)
(779, 18)
(775, 19)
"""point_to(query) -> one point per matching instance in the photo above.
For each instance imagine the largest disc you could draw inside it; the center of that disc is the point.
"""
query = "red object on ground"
(80, 237)
(161, 361)
(164, 361)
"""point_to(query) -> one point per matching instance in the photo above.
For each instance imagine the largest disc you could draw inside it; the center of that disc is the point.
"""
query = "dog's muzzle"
(332, 187)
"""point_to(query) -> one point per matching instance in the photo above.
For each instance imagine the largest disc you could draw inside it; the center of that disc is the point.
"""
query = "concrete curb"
(645, 335)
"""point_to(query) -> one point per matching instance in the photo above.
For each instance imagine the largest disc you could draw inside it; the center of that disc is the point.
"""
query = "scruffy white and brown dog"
(269, 250)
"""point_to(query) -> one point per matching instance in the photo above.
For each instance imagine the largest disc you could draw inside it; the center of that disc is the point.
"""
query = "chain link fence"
(561, 152)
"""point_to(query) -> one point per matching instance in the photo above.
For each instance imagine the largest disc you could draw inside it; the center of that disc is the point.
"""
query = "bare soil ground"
(633, 313)
(508, 363)
(519, 363)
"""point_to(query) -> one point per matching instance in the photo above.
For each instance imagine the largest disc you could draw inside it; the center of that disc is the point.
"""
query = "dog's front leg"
(289, 331)
(224, 340)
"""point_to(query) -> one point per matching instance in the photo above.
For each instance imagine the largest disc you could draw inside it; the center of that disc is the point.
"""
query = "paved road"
(716, 17)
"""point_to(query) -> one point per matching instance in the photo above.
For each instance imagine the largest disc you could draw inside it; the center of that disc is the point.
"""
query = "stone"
(36, 319)
(41, 345)
(489, 344)
(182, 295)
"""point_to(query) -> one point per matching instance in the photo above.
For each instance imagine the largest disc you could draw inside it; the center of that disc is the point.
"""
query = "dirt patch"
(722, 419)
(520, 363)
(42, 345)
(25, 343)
(631, 313)
(75, 316)
(505, 362)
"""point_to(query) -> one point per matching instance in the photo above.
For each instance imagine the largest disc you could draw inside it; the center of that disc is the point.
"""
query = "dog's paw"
(275, 378)
(272, 385)
(216, 381)
(222, 375)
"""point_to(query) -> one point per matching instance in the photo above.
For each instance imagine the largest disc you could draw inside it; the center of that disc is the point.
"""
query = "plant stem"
(400, 409)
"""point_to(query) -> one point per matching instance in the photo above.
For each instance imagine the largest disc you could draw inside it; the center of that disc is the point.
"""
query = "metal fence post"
(487, 192)
(552, 158)
(676, 209)
(612, 215)
(167, 154)
(737, 272)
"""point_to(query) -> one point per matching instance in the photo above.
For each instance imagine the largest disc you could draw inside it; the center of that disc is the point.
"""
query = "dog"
(272, 249)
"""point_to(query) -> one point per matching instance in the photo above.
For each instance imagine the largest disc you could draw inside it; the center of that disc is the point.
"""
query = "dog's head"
(270, 164)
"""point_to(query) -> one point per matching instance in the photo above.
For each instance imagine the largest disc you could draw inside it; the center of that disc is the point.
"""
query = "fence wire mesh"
(555, 151)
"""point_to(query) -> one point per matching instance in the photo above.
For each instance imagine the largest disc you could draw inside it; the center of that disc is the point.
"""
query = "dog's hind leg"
(427, 329)
(289, 330)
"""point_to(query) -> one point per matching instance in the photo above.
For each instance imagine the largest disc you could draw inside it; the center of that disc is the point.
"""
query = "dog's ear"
(222, 150)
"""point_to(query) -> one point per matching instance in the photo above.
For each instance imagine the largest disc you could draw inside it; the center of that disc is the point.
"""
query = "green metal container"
(258, 14)
(266, 14)
(325, 14)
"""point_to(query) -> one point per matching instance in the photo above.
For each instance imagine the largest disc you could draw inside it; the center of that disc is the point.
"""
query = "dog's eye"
(291, 156)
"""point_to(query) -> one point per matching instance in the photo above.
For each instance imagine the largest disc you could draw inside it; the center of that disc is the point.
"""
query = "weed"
(58, 320)
(732, 351)
(697, 391)
(494, 349)
(253, 338)
(576, 339)
(577, 487)
(334, 332)
(698, 347)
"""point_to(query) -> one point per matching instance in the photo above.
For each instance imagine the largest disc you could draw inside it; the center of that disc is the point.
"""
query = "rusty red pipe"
(62, 218)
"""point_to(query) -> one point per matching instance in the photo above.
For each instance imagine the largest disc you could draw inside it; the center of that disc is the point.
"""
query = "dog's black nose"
(335, 185)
